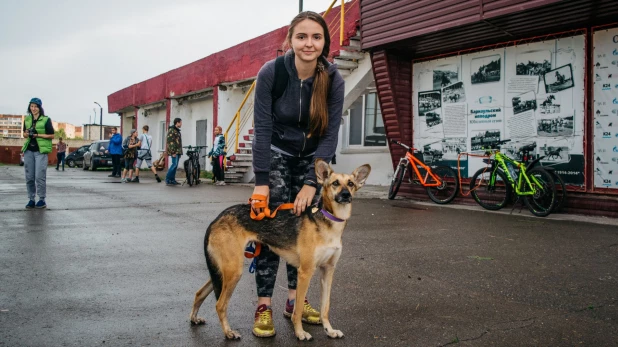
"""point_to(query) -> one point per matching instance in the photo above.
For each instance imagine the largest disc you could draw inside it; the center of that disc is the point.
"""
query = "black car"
(96, 157)
(76, 158)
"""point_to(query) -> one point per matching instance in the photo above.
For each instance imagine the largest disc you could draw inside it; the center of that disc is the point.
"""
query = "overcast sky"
(71, 53)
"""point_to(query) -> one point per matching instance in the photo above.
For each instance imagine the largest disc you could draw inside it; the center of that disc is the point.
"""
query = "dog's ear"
(360, 174)
(322, 171)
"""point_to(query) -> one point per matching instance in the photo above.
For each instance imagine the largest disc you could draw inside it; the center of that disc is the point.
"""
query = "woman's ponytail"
(319, 103)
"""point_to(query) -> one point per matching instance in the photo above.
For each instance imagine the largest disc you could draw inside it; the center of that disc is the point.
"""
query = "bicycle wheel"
(196, 173)
(396, 182)
(446, 192)
(542, 202)
(561, 192)
(490, 196)
(189, 172)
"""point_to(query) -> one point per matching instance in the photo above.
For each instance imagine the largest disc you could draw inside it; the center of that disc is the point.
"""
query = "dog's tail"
(213, 269)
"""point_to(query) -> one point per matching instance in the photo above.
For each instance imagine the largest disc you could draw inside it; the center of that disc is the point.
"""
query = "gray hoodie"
(285, 125)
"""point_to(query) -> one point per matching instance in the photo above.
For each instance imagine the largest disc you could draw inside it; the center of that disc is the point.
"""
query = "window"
(366, 125)
(162, 135)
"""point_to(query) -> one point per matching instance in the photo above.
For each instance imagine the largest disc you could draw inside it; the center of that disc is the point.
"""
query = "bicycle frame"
(522, 177)
(411, 158)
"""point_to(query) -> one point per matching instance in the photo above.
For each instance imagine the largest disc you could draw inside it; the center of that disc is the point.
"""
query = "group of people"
(289, 137)
(129, 154)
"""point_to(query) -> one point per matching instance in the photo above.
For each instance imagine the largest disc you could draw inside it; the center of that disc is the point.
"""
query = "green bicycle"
(492, 186)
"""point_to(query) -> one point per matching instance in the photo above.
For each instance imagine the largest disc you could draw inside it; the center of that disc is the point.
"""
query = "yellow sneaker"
(310, 314)
(263, 325)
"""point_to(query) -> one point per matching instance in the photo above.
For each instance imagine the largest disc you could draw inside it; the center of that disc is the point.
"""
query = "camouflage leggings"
(286, 180)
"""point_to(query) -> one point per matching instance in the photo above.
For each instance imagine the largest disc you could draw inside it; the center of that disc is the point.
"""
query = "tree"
(60, 133)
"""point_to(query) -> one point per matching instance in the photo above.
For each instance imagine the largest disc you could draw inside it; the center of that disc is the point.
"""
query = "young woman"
(38, 132)
(291, 132)
(217, 152)
(130, 154)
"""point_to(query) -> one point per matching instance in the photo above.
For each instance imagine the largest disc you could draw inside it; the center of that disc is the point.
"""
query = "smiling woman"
(294, 127)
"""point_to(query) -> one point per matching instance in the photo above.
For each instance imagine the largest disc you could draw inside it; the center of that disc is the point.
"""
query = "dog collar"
(331, 217)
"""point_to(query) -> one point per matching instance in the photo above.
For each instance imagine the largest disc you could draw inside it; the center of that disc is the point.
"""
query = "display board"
(606, 108)
(531, 93)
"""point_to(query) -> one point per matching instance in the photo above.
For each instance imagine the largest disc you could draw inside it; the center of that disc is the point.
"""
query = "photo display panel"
(606, 108)
(532, 93)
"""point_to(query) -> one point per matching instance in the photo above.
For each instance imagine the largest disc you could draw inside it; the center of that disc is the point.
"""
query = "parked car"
(76, 158)
(96, 157)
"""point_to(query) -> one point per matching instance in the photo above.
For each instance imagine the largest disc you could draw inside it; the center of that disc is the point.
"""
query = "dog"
(308, 242)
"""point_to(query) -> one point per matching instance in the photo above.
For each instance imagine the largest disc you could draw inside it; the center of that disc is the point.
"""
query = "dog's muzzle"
(344, 197)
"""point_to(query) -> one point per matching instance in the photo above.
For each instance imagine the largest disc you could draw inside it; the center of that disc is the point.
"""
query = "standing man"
(174, 149)
(61, 151)
(115, 150)
(39, 132)
(144, 154)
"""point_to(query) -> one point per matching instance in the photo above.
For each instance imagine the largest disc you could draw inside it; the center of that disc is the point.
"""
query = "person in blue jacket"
(115, 150)
(217, 155)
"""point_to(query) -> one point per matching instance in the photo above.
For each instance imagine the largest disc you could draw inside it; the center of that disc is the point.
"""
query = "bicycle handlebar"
(401, 144)
(196, 147)
(495, 144)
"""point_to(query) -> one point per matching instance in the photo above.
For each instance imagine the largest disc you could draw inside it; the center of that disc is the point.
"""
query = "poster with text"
(532, 94)
(606, 109)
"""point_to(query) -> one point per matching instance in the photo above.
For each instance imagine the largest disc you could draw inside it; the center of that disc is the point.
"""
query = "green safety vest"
(45, 145)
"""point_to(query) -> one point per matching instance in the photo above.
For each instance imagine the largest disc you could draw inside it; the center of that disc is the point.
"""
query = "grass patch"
(206, 174)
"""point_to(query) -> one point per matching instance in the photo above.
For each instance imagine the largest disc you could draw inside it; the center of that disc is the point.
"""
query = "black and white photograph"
(429, 101)
(485, 69)
(444, 75)
(453, 146)
(524, 102)
(432, 152)
(454, 93)
(559, 79)
(548, 104)
(555, 125)
(558, 152)
(480, 139)
(512, 149)
(533, 63)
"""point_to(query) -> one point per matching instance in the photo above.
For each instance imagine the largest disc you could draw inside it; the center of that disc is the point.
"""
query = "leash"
(253, 249)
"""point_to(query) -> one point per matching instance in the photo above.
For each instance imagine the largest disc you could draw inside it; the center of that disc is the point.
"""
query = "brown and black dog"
(308, 242)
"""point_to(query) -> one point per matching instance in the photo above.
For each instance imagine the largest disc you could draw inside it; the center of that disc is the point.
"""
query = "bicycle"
(492, 186)
(440, 182)
(561, 194)
(192, 165)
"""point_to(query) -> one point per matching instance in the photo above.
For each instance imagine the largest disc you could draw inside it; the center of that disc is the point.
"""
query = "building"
(11, 126)
(494, 63)
(93, 131)
(216, 90)
(69, 129)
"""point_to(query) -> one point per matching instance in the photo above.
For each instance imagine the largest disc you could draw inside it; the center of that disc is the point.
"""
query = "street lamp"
(101, 122)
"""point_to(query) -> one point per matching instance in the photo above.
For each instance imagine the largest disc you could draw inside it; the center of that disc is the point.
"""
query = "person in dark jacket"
(115, 150)
(174, 149)
(290, 134)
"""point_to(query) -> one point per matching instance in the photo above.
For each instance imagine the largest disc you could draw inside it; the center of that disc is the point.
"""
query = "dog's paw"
(232, 335)
(334, 334)
(304, 336)
(198, 321)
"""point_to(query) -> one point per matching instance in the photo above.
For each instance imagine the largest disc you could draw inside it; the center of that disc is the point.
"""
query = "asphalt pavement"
(110, 264)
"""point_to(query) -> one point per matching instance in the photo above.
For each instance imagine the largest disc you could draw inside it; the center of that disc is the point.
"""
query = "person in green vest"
(39, 132)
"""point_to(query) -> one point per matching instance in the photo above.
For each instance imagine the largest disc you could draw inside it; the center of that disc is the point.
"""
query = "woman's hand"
(260, 190)
(303, 199)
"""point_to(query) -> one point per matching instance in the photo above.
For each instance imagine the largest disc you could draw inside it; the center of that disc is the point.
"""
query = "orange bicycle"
(441, 182)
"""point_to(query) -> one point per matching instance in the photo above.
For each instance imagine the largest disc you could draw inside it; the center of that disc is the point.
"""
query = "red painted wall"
(236, 63)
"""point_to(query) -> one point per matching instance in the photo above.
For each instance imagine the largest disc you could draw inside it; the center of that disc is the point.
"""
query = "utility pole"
(300, 6)
(101, 122)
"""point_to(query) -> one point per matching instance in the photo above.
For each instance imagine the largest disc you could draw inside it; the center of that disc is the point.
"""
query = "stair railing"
(237, 121)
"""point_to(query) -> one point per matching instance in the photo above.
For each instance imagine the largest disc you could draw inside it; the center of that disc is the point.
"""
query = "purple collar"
(331, 217)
